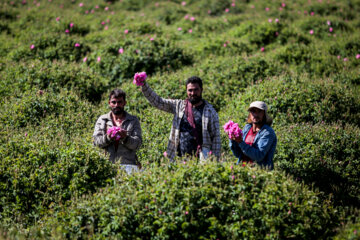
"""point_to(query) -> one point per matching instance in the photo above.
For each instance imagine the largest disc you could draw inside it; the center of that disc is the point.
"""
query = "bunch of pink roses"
(232, 129)
(139, 78)
(114, 132)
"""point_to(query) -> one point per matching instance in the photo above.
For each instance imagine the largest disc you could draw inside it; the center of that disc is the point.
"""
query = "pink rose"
(114, 132)
(139, 78)
(232, 129)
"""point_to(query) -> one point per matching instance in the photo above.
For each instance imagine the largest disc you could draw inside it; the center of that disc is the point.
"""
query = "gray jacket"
(126, 150)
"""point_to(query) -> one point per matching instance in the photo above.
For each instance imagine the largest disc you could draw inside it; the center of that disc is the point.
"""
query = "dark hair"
(193, 80)
(117, 93)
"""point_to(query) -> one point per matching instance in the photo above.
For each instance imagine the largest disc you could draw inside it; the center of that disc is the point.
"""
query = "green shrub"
(308, 59)
(54, 76)
(346, 49)
(300, 100)
(170, 13)
(321, 28)
(52, 48)
(292, 36)
(35, 177)
(350, 231)
(139, 55)
(4, 28)
(73, 29)
(332, 9)
(326, 155)
(229, 76)
(189, 201)
(8, 14)
(214, 7)
(31, 107)
(218, 46)
(259, 34)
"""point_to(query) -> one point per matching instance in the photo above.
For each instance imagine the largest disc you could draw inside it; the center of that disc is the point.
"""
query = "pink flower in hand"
(114, 132)
(228, 126)
(139, 78)
(232, 129)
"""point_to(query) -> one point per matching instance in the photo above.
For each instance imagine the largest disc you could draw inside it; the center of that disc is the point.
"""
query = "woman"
(258, 142)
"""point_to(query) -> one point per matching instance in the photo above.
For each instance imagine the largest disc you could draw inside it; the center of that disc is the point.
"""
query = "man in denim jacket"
(258, 142)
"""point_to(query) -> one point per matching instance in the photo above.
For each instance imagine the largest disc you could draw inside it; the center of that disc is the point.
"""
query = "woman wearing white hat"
(258, 142)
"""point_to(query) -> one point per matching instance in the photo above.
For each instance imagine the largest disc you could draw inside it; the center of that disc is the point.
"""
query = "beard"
(117, 111)
(195, 100)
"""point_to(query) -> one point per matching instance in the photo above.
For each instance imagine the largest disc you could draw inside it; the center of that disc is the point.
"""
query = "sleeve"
(215, 136)
(167, 105)
(236, 150)
(258, 153)
(134, 139)
(101, 139)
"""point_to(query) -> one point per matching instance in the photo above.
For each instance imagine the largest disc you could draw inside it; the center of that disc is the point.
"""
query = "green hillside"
(59, 60)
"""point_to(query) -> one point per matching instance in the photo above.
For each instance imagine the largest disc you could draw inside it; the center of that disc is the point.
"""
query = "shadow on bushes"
(327, 156)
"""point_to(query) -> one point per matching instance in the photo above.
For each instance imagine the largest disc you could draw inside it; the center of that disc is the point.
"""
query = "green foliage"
(321, 27)
(309, 59)
(189, 201)
(298, 100)
(326, 155)
(140, 55)
(55, 76)
(228, 76)
(52, 93)
(52, 48)
(37, 105)
(36, 176)
(348, 48)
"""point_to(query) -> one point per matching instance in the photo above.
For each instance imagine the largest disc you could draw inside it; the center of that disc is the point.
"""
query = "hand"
(237, 139)
(123, 134)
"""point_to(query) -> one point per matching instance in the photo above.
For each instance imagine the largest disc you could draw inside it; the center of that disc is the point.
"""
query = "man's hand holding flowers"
(116, 133)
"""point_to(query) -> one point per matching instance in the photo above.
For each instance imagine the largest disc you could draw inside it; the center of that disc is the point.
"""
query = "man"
(122, 146)
(258, 142)
(195, 129)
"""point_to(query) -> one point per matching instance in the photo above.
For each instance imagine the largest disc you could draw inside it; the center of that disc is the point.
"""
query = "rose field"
(59, 60)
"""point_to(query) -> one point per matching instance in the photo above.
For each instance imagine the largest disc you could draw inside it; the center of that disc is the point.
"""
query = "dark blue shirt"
(188, 143)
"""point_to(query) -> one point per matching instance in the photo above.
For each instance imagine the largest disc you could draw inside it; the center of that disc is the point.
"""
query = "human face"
(194, 93)
(256, 115)
(117, 105)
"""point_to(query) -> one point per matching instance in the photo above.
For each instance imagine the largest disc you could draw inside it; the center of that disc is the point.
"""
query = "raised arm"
(167, 105)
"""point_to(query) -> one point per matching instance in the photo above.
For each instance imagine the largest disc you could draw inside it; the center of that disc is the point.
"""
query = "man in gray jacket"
(121, 146)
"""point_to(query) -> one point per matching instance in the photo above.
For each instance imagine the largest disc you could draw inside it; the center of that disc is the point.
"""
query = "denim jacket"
(263, 149)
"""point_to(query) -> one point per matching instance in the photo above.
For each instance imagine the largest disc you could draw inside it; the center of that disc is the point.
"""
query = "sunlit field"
(60, 59)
